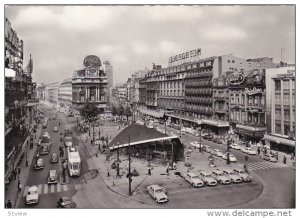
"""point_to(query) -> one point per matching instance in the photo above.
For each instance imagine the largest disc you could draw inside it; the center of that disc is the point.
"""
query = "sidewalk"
(12, 193)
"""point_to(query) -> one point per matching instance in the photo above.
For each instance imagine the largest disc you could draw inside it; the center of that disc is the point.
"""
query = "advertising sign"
(236, 78)
(185, 57)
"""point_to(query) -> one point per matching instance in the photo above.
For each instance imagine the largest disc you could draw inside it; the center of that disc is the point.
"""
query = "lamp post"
(200, 136)
(118, 161)
(228, 150)
(129, 167)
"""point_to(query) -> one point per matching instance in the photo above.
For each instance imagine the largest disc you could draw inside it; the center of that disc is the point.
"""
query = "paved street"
(90, 190)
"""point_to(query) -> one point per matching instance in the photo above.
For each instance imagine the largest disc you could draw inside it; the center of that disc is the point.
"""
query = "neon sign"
(236, 78)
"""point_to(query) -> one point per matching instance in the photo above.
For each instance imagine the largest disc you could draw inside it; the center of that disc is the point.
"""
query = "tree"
(89, 112)
(114, 110)
(121, 111)
(127, 112)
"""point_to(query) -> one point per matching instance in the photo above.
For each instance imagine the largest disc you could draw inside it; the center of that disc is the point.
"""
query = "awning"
(31, 104)
(251, 128)
(143, 142)
(184, 118)
(152, 113)
(280, 140)
(216, 123)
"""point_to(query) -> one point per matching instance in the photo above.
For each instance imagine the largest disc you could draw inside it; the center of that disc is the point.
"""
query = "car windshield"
(75, 166)
(32, 192)
(221, 174)
(158, 190)
(195, 177)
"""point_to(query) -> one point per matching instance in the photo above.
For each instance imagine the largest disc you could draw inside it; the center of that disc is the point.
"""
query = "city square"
(190, 127)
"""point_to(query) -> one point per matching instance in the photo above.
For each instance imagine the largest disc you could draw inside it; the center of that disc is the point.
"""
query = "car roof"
(192, 174)
(32, 188)
(205, 173)
(40, 160)
(155, 187)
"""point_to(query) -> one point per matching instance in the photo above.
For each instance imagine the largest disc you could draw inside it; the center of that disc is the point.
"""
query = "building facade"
(108, 70)
(247, 103)
(65, 94)
(51, 94)
(281, 109)
(89, 85)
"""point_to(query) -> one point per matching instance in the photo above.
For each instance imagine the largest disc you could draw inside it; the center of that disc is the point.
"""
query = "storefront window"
(278, 114)
(286, 84)
(277, 84)
(286, 129)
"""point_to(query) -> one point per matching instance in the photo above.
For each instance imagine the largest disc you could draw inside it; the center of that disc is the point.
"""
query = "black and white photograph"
(150, 106)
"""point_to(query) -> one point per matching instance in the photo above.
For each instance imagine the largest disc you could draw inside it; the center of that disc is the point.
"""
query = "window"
(232, 99)
(277, 85)
(278, 114)
(286, 99)
(277, 98)
(232, 61)
(286, 129)
(293, 99)
(228, 61)
(278, 128)
(294, 116)
(286, 84)
(286, 114)
(250, 100)
(293, 84)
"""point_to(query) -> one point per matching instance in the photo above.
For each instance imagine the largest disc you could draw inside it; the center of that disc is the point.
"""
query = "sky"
(133, 37)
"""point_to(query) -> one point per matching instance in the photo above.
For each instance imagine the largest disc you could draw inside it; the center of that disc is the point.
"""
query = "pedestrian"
(284, 159)
(149, 171)
(258, 150)
(58, 123)
(246, 168)
(292, 156)
(174, 165)
(167, 171)
(9, 204)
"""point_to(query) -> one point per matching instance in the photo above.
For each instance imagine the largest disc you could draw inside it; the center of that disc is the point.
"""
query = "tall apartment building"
(90, 84)
(108, 70)
(65, 94)
(51, 94)
(281, 108)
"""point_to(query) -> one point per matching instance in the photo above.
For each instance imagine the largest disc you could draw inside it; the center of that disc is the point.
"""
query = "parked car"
(194, 180)
(39, 165)
(235, 146)
(207, 178)
(208, 137)
(245, 176)
(55, 129)
(269, 157)
(157, 193)
(217, 152)
(234, 176)
(52, 177)
(65, 202)
(206, 148)
(232, 158)
(195, 144)
(247, 150)
(32, 196)
(39, 142)
(221, 177)
(217, 140)
(54, 158)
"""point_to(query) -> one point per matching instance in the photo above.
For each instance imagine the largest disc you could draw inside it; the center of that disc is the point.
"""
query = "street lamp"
(200, 138)
(228, 150)
(118, 161)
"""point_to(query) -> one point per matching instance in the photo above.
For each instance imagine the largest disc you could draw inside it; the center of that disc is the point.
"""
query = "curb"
(102, 177)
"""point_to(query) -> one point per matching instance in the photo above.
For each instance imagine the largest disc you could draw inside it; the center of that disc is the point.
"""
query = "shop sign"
(91, 60)
(253, 91)
(236, 78)
(186, 56)
(289, 74)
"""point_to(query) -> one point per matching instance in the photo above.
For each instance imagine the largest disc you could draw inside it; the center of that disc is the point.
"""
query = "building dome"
(92, 61)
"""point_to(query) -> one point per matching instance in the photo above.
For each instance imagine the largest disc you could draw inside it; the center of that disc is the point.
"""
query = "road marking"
(58, 187)
(25, 191)
(264, 165)
(45, 189)
(40, 188)
(52, 188)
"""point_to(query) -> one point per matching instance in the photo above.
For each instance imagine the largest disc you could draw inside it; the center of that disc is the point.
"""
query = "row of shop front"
(251, 132)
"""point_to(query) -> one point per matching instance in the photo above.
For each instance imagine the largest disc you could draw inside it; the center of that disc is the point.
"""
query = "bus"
(73, 161)
(68, 138)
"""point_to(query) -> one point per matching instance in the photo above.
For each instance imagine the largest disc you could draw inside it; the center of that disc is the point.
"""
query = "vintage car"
(232, 158)
(55, 129)
(157, 193)
(221, 177)
(245, 176)
(248, 150)
(217, 152)
(194, 180)
(52, 177)
(234, 176)
(269, 157)
(39, 165)
(65, 202)
(207, 178)
(32, 196)
(54, 158)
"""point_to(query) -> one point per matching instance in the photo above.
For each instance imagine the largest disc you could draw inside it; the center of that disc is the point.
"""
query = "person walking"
(9, 204)
(284, 159)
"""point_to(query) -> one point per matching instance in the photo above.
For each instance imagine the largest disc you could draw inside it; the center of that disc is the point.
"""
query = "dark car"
(208, 137)
(217, 140)
(54, 158)
(65, 202)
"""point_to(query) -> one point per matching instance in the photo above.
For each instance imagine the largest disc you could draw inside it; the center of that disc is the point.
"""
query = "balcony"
(199, 92)
(89, 80)
(220, 98)
(199, 75)
(255, 109)
(199, 101)
(221, 111)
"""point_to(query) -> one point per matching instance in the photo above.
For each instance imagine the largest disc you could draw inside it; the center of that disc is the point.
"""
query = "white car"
(234, 176)
(55, 129)
(157, 193)
(194, 180)
(195, 144)
(52, 177)
(221, 177)
(235, 146)
(46, 135)
(232, 158)
(207, 178)
(32, 196)
(247, 150)
(217, 152)
(245, 176)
